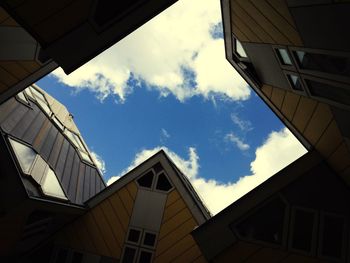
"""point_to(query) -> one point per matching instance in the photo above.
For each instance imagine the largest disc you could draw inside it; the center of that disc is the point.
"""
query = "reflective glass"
(239, 49)
(44, 106)
(284, 56)
(51, 186)
(85, 156)
(22, 97)
(25, 155)
(295, 82)
(58, 123)
(29, 93)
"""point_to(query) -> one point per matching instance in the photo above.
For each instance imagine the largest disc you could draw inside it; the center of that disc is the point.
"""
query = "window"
(295, 82)
(284, 57)
(330, 92)
(129, 255)
(146, 180)
(333, 242)
(238, 48)
(58, 123)
(25, 155)
(75, 139)
(163, 183)
(51, 186)
(266, 224)
(149, 239)
(145, 256)
(324, 63)
(22, 97)
(40, 99)
(134, 236)
(303, 229)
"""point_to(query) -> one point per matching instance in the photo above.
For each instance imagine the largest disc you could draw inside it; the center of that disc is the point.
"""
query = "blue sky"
(168, 85)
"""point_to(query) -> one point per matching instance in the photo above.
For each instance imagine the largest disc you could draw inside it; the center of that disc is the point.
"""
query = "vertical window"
(145, 256)
(295, 82)
(41, 100)
(51, 186)
(75, 139)
(129, 255)
(163, 183)
(24, 154)
(22, 97)
(239, 49)
(58, 123)
(324, 63)
(284, 57)
(134, 236)
(149, 239)
(303, 230)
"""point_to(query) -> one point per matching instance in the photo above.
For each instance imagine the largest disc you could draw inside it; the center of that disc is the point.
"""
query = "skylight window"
(25, 155)
(239, 49)
(75, 139)
(41, 100)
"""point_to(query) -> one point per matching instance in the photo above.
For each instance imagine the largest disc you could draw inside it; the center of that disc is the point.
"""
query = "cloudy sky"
(168, 85)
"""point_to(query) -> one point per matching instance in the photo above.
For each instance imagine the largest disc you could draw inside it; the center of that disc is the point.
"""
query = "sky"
(168, 86)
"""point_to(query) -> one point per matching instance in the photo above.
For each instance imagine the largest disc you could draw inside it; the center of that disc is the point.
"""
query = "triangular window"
(146, 180)
(163, 183)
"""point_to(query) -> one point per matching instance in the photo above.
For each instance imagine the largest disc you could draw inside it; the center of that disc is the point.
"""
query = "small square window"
(134, 235)
(295, 82)
(145, 257)
(149, 240)
(284, 57)
(239, 49)
(129, 255)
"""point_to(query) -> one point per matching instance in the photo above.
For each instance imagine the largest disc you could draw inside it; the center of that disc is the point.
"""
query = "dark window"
(330, 92)
(239, 50)
(163, 183)
(149, 239)
(129, 255)
(332, 236)
(302, 230)
(77, 257)
(284, 57)
(146, 180)
(324, 63)
(145, 257)
(134, 235)
(295, 82)
(62, 255)
(158, 168)
(266, 224)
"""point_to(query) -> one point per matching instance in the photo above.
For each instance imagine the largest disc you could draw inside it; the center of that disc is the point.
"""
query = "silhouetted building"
(38, 36)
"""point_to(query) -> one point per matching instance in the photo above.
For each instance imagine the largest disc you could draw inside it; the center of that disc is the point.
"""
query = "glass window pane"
(146, 180)
(239, 49)
(51, 186)
(324, 63)
(58, 123)
(150, 239)
(45, 107)
(25, 155)
(38, 94)
(129, 255)
(303, 230)
(329, 92)
(21, 96)
(134, 235)
(284, 56)
(163, 183)
(85, 156)
(295, 82)
(145, 257)
(333, 236)
(29, 93)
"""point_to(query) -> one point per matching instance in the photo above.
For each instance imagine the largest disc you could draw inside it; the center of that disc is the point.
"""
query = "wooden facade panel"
(119, 208)
(340, 159)
(282, 8)
(168, 242)
(256, 29)
(330, 140)
(106, 232)
(21, 127)
(93, 182)
(87, 180)
(114, 221)
(56, 149)
(258, 16)
(54, 27)
(81, 229)
(6, 78)
(318, 123)
(128, 202)
(176, 250)
(59, 168)
(172, 197)
(189, 255)
(80, 184)
(267, 255)
(173, 209)
(200, 259)
(14, 69)
(73, 180)
(14, 118)
(290, 104)
(3, 15)
(277, 97)
(239, 23)
(68, 167)
(279, 21)
(267, 90)
(174, 222)
(238, 33)
(30, 66)
(132, 188)
(6, 108)
(41, 135)
(34, 128)
(240, 251)
(10, 22)
(303, 113)
(49, 142)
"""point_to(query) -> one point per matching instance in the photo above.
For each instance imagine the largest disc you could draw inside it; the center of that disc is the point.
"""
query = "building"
(294, 55)
(39, 36)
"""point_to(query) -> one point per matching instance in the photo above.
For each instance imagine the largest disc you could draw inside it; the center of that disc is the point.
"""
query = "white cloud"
(164, 135)
(231, 137)
(177, 38)
(243, 125)
(112, 179)
(280, 149)
(100, 163)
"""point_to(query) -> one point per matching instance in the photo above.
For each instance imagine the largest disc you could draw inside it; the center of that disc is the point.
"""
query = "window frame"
(284, 243)
(234, 50)
(313, 250)
(24, 102)
(279, 59)
(305, 91)
(136, 252)
(144, 236)
(146, 250)
(153, 187)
